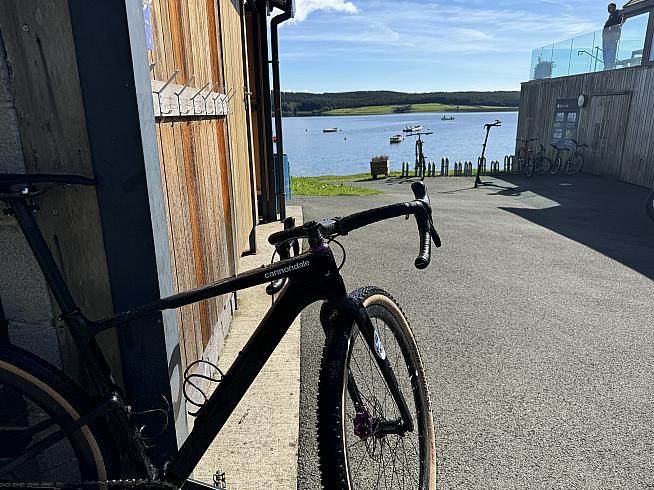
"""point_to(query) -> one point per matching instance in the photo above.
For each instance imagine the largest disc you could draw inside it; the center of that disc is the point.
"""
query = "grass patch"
(330, 185)
(435, 107)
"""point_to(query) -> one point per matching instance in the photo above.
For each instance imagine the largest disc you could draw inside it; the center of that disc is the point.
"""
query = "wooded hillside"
(299, 103)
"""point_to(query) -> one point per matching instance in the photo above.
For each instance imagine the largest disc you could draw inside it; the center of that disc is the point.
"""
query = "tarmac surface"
(535, 322)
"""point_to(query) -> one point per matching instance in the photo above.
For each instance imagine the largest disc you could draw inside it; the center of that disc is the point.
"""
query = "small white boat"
(412, 129)
(398, 138)
(330, 130)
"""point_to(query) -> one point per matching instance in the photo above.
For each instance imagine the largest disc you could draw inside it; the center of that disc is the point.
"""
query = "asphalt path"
(535, 323)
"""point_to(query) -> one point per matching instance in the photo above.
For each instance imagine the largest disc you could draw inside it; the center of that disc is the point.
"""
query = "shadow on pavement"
(603, 214)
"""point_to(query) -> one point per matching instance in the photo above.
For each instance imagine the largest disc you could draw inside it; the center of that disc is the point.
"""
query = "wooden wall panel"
(199, 164)
(237, 121)
(620, 109)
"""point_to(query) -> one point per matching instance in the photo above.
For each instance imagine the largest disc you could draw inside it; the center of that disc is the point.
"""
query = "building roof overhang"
(636, 7)
(285, 5)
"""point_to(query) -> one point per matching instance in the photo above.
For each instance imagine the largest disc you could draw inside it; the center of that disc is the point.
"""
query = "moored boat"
(447, 118)
(330, 130)
(412, 129)
(398, 138)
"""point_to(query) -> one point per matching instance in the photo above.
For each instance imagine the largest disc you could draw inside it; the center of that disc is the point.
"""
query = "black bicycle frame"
(310, 277)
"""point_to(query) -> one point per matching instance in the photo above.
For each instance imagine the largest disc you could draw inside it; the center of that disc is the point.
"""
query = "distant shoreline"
(388, 110)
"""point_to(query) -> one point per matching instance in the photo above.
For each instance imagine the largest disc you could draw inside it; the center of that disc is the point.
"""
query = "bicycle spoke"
(392, 462)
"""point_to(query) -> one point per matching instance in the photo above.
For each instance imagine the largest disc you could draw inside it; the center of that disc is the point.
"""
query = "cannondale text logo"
(281, 272)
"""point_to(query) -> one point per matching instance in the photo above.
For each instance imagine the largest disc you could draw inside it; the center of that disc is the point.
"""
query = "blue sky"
(421, 45)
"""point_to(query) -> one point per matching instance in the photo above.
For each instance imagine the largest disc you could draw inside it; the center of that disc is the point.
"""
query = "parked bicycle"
(374, 415)
(572, 164)
(526, 158)
(542, 163)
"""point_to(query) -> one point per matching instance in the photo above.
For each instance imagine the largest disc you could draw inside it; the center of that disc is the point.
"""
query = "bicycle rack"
(445, 167)
(495, 167)
(467, 169)
(481, 163)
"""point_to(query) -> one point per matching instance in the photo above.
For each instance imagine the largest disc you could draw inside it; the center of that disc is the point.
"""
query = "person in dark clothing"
(611, 36)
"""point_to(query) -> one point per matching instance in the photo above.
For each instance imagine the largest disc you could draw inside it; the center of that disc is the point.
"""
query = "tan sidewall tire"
(63, 402)
(386, 302)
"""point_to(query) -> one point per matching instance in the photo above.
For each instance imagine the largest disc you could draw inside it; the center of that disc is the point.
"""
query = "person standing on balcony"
(611, 36)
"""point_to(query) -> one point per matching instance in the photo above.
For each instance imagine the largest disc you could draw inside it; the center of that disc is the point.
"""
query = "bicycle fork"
(341, 314)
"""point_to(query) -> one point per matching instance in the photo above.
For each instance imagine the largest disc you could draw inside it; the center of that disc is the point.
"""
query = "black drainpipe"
(265, 109)
(277, 94)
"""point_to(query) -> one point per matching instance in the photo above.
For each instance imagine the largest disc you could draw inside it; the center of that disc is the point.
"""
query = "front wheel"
(574, 164)
(543, 165)
(556, 165)
(360, 443)
(527, 168)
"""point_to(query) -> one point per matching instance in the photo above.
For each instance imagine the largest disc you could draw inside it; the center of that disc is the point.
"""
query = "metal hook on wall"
(198, 93)
(160, 91)
(178, 94)
(230, 96)
(213, 99)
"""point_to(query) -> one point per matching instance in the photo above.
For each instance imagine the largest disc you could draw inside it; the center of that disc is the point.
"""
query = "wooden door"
(604, 129)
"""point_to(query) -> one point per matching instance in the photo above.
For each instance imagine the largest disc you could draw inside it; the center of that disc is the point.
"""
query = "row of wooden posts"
(462, 169)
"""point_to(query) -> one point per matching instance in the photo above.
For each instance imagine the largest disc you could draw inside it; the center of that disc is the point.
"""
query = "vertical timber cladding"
(616, 122)
(195, 164)
(237, 119)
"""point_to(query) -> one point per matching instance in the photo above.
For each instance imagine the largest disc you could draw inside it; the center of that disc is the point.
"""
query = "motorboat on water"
(398, 138)
(330, 130)
(412, 129)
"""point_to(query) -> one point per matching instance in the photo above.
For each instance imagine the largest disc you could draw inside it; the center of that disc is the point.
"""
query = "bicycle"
(526, 159)
(373, 399)
(572, 164)
(542, 163)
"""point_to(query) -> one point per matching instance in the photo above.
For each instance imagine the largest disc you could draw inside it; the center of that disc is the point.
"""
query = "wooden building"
(610, 110)
(154, 99)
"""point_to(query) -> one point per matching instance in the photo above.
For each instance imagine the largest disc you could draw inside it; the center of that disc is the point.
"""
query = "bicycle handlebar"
(578, 145)
(420, 208)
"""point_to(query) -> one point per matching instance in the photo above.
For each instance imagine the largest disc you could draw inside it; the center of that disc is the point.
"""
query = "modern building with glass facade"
(577, 90)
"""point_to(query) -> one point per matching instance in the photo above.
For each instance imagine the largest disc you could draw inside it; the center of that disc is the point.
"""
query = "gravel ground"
(535, 324)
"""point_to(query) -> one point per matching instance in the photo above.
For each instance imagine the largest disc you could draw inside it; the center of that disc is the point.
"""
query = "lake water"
(312, 152)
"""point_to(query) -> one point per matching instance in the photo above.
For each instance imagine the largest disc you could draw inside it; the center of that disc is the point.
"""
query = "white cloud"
(304, 7)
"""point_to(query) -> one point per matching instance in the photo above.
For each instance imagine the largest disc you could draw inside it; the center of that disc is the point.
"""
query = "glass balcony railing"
(592, 52)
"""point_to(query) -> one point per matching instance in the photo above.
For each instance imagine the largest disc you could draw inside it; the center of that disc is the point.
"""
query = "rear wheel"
(574, 164)
(35, 402)
(355, 406)
(520, 159)
(649, 206)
